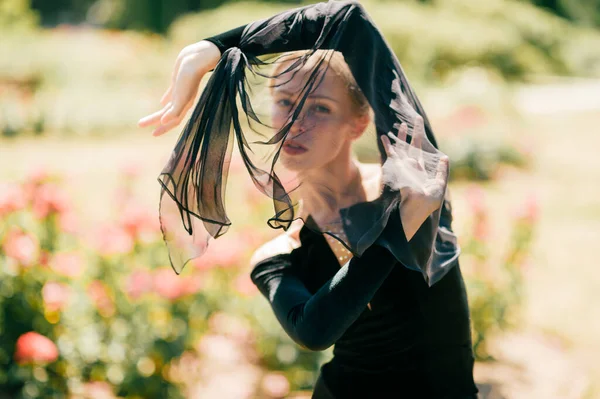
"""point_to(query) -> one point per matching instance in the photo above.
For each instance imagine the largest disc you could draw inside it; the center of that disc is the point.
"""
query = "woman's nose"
(300, 125)
(297, 128)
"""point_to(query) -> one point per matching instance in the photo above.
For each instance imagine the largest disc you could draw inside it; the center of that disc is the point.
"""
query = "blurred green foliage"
(76, 80)
(149, 15)
(496, 286)
(111, 306)
(156, 15)
(514, 39)
(79, 81)
(17, 15)
(585, 12)
(481, 159)
(118, 319)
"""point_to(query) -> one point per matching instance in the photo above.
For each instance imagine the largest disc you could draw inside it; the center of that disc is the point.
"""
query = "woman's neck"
(336, 185)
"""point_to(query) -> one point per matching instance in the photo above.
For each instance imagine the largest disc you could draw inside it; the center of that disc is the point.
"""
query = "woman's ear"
(360, 124)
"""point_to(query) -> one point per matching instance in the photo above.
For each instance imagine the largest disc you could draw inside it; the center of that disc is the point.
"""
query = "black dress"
(414, 342)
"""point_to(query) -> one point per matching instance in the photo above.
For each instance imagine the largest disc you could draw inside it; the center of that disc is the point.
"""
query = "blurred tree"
(586, 12)
(54, 12)
(151, 15)
(157, 15)
(16, 14)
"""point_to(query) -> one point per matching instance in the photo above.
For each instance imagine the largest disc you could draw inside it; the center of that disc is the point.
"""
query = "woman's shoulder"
(282, 244)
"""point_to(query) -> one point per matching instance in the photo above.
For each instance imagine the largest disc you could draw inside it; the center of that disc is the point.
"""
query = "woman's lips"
(292, 148)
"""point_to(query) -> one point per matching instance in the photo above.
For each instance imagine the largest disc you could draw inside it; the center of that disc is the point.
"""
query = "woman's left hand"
(405, 168)
(421, 182)
(192, 63)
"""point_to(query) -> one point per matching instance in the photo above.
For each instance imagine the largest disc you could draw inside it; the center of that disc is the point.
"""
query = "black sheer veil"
(235, 108)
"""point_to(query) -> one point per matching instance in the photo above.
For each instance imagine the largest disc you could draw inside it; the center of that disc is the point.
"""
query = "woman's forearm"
(414, 210)
(316, 321)
(340, 25)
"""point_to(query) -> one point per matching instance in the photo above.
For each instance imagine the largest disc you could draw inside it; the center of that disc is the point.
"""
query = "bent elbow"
(310, 330)
(314, 344)
(356, 7)
(314, 339)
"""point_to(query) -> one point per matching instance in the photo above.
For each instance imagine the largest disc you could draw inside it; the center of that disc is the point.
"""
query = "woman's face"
(325, 126)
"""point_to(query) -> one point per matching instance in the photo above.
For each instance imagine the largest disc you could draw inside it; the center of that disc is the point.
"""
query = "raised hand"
(418, 175)
(192, 63)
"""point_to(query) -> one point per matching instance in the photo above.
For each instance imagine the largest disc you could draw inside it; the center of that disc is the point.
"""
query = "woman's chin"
(294, 163)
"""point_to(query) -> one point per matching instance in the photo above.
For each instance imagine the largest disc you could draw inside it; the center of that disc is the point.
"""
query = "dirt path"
(531, 365)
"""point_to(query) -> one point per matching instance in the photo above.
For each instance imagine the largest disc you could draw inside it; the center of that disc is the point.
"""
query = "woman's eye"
(322, 109)
(284, 103)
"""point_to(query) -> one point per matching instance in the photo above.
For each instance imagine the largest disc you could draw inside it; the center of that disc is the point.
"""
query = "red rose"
(69, 264)
(169, 285)
(101, 297)
(139, 282)
(112, 240)
(56, 295)
(32, 347)
(21, 246)
(12, 198)
(137, 221)
(49, 198)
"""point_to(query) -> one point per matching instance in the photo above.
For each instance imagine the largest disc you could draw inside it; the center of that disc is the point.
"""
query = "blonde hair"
(335, 62)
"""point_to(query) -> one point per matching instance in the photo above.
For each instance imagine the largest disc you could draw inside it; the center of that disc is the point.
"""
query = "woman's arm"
(317, 321)
(228, 39)
(294, 29)
(340, 25)
(300, 29)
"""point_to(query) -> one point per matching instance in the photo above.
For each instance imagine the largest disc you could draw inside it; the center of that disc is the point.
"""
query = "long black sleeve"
(341, 25)
(318, 321)
(228, 39)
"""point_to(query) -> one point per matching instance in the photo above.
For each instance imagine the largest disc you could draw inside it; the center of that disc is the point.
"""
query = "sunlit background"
(89, 306)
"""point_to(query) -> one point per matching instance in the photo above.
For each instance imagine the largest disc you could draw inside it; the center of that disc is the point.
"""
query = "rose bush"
(104, 312)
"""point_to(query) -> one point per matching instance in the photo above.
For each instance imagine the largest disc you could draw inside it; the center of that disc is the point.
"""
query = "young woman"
(368, 262)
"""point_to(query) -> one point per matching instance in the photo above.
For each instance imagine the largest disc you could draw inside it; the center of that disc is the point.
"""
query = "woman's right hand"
(192, 63)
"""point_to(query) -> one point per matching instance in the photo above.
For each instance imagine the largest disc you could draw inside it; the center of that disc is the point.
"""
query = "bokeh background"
(89, 306)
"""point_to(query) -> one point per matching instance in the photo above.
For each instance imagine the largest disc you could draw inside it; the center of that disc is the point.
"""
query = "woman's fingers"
(178, 61)
(184, 90)
(166, 98)
(401, 135)
(190, 66)
(418, 132)
(394, 138)
(387, 146)
(153, 118)
(403, 132)
(400, 146)
(435, 189)
(169, 93)
(442, 169)
(162, 129)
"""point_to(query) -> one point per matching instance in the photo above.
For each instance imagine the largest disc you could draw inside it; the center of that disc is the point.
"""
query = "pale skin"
(328, 161)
